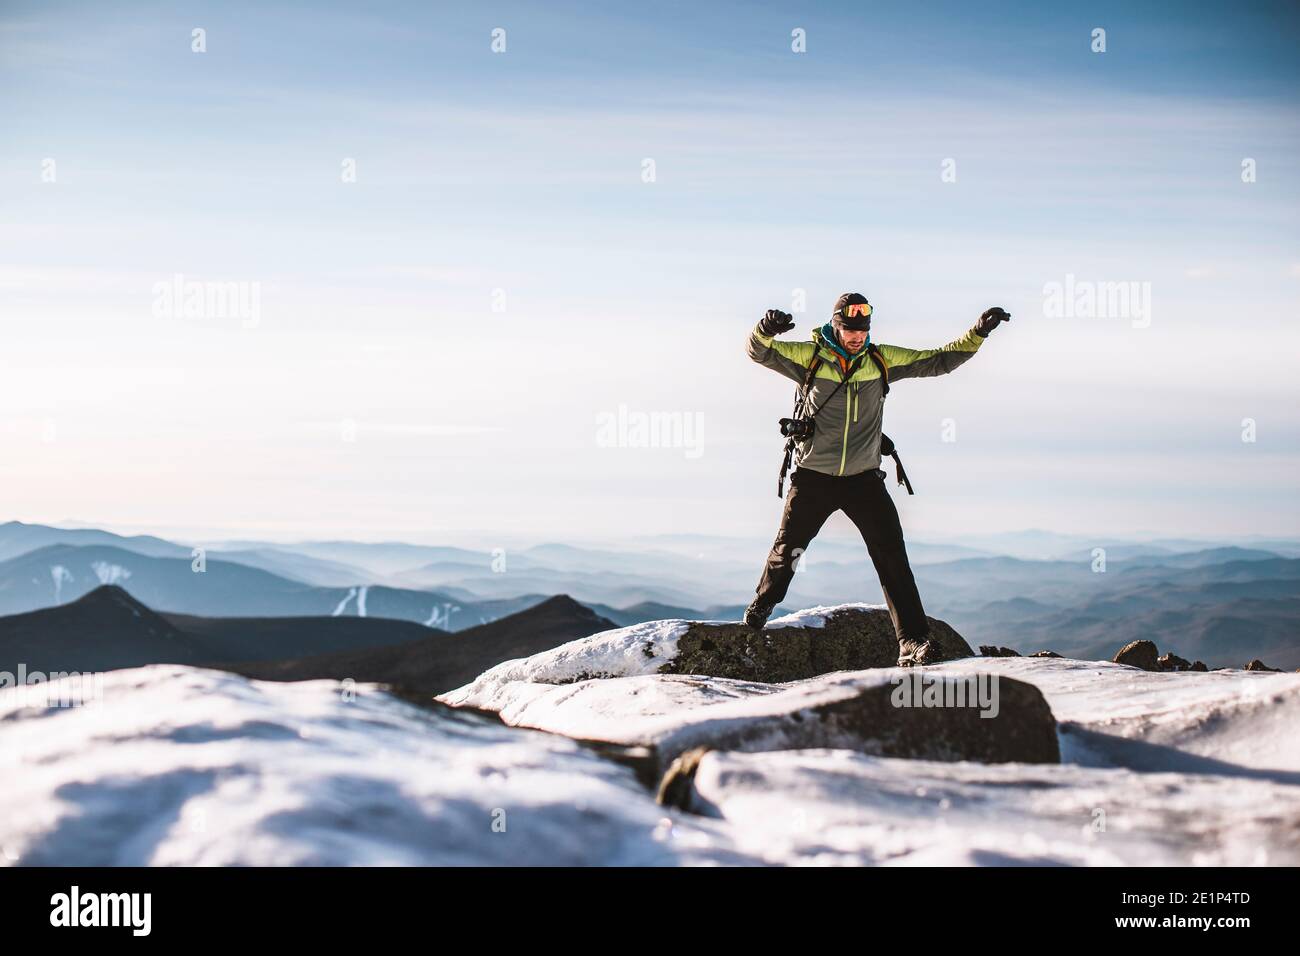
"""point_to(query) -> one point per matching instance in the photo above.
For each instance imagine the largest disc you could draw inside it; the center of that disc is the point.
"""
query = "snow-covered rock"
(841, 807)
(1000, 720)
(797, 646)
(183, 766)
(1112, 715)
(1157, 768)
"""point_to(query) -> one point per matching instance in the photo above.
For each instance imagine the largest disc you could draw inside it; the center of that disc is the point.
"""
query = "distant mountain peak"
(111, 602)
(560, 607)
(565, 602)
(110, 595)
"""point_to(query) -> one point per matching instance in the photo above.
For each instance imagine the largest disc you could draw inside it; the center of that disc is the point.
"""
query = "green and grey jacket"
(846, 440)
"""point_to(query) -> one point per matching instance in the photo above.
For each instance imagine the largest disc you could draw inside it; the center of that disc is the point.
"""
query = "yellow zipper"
(844, 450)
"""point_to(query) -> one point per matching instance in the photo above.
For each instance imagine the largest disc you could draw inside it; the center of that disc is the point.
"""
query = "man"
(838, 466)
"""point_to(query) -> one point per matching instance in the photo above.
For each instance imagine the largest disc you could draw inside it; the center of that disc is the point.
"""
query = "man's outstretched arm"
(789, 358)
(922, 363)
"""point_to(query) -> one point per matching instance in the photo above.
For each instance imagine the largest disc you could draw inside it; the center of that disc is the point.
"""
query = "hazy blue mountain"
(299, 567)
(61, 573)
(1196, 559)
(381, 559)
(650, 611)
(17, 538)
(109, 628)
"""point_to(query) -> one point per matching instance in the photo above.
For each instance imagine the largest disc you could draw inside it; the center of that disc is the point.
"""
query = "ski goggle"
(858, 310)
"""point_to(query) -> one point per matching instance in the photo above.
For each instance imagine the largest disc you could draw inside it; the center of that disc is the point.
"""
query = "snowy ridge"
(1245, 718)
(641, 649)
(1158, 768)
(839, 807)
(186, 766)
(620, 652)
(816, 616)
(179, 766)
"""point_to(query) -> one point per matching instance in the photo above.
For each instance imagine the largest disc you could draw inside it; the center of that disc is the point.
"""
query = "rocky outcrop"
(675, 787)
(1258, 665)
(1140, 654)
(1009, 721)
(1144, 655)
(991, 650)
(852, 638)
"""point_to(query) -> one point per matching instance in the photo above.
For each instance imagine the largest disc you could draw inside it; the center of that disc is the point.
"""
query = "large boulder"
(886, 718)
(851, 638)
(1143, 655)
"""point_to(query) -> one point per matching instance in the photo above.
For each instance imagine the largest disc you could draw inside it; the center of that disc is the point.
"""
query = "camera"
(800, 429)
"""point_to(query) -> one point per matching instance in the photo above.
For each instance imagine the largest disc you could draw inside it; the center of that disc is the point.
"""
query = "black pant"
(813, 498)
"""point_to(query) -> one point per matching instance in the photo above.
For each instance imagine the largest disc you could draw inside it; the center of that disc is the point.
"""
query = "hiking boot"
(914, 653)
(756, 615)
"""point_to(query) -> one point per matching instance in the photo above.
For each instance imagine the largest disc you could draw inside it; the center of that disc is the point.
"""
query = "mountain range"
(108, 629)
(1219, 602)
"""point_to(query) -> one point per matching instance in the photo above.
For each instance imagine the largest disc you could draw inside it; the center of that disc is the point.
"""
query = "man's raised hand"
(774, 322)
(991, 319)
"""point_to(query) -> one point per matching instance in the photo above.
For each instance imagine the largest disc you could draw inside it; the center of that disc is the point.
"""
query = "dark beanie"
(856, 324)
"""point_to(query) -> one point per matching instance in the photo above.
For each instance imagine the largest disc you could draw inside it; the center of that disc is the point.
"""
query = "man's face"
(852, 340)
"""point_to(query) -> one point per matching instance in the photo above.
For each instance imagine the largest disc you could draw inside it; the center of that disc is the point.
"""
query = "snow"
(671, 711)
(1158, 769)
(185, 766)
(360, 594)
(1113, 714)
(1152, 720)
(816, 616)
(60, 574)
(109, 573)
(342, 605)
(840, 807)
(619, 652)
(194, 767)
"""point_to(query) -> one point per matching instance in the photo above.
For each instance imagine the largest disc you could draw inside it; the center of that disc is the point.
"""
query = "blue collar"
(832, 342)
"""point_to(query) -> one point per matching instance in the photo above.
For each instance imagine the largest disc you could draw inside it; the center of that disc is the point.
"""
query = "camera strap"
(802, 401)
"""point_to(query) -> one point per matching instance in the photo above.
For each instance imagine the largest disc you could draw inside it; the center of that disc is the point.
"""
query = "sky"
(460, 276)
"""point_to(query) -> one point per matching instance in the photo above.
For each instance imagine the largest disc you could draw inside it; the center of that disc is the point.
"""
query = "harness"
(802, 402)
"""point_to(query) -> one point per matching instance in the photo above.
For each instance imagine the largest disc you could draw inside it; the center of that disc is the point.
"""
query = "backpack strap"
(886, 443)
(880, 364)
(813, 365)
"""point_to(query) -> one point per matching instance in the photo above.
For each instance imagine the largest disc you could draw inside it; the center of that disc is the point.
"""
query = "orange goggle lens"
(859, 310)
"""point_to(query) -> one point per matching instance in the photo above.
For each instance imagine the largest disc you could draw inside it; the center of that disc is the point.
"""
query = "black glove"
(774, 322)
(991, 319)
